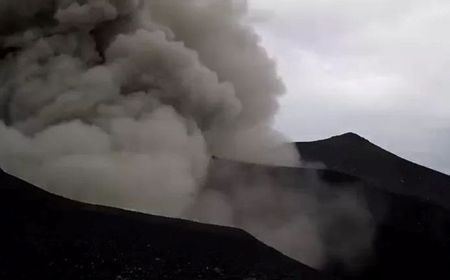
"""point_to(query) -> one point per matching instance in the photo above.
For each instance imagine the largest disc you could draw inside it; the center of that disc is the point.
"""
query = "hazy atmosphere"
(125, 104)
(377, 68)
(176, 139)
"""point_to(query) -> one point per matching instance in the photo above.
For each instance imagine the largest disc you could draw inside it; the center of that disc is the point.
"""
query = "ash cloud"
(123, 103)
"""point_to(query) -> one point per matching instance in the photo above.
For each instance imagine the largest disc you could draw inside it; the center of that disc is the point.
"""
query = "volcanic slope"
(409, 203)
(44, 236)
(352, 154)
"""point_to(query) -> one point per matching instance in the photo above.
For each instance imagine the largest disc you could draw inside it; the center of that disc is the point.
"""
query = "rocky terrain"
(44, 236)
(410, 204)
(49, 237)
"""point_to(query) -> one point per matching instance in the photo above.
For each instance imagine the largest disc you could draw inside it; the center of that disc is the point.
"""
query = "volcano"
(50, 237)
(44, 236)
(352, 154)
(410, 204)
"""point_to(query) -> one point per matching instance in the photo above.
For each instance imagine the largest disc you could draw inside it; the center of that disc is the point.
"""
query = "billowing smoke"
(123, 103)
(290, 208)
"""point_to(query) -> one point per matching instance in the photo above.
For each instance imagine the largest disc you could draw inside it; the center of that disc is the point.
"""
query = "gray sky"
(379, 68)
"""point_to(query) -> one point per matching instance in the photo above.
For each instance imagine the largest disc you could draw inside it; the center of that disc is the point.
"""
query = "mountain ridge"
(354, 155)
(412, 234)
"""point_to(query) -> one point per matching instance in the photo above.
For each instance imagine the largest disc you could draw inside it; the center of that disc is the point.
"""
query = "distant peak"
(350, 135)
(345, 138)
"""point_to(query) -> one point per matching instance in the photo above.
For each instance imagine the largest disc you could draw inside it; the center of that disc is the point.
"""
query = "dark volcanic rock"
(409, 203)
(48, 237)
(354, 155)
(411, 238)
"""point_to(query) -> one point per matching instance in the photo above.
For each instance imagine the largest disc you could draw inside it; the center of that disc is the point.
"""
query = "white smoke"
(123, 103)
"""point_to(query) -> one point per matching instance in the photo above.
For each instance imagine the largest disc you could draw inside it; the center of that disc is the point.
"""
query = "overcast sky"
(379, 68)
